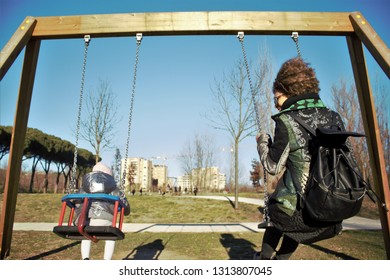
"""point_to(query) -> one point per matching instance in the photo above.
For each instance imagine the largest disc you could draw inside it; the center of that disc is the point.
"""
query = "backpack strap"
(303, 123)
(333, 136)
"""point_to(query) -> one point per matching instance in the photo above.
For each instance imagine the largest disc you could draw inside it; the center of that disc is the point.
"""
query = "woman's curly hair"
(295, 77)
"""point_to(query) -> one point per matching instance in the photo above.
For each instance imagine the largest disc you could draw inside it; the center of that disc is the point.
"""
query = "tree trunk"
(236, 173)
(34, 166)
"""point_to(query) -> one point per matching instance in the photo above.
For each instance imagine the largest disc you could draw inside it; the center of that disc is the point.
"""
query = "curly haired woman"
(296, 91)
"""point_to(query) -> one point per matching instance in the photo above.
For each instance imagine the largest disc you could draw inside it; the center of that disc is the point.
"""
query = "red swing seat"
(82, 230)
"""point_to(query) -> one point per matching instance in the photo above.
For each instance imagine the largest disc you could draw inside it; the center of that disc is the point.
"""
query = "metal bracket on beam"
(240, 35)
(138, 36)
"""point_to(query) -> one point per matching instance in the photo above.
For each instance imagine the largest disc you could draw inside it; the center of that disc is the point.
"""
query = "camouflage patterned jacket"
(289, 152)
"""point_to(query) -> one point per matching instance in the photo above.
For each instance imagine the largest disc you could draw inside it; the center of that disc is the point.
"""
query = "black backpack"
(335, 188)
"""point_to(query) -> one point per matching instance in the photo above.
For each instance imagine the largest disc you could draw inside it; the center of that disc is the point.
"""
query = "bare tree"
(233, 111)
(116, 166)
(98, 127)
(346, 103)
(382, 99)
(197, 156)
(263, 79)
(265, 106)
(205, 158)
(131, 173)
(187, 158)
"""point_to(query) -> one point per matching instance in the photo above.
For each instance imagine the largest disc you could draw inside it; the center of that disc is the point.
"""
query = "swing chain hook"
(139, 39)
(240, 36)
(294, 36)
(72, 183)
(87, 39)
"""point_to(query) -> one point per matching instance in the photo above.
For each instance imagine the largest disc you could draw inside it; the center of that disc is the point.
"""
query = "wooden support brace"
(16, 44)
(375, 148)
(372, 41)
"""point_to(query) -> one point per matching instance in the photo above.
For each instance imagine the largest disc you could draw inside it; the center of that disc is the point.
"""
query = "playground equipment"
(84, 231)
(353, 26)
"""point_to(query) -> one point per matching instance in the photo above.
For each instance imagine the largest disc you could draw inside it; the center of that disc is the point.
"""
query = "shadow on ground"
(335, 253)
(148, 251)
(54, 251)
(237, 248)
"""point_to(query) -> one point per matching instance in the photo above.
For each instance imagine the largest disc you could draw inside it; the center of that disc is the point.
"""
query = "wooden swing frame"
(33, 30)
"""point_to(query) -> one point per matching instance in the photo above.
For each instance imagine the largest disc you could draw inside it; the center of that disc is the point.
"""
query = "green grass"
(144, 209)
(367, 245)
(195, 246)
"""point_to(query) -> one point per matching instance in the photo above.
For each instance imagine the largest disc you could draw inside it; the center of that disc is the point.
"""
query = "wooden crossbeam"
(193, 23)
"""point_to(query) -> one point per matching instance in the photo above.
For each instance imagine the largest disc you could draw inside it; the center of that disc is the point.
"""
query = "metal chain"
(139, 39)
(295, 36)
(240, 37)
(72, 183)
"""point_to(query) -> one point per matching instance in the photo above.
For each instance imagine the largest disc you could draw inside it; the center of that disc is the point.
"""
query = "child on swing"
(100, 213)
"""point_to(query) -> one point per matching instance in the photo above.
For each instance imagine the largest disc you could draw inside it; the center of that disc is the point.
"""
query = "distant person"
(100, 213)
(195, 191)
(140, 191)
(133, 191)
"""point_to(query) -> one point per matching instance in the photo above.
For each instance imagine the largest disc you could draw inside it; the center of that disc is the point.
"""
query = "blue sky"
(174, 75)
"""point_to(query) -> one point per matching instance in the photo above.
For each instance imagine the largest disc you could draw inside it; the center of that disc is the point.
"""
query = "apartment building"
(206, 179)
(160, 173)
(142, 172)
(185, 182)
(139, 170)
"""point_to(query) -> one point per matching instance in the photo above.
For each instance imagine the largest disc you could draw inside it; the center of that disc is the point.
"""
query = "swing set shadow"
(54, 251)
(148, 251)
(235, 248)
(33, 30)
(331, 252)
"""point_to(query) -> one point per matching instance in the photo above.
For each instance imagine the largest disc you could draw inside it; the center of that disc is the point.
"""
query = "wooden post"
(375, 148)
(17, 146)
